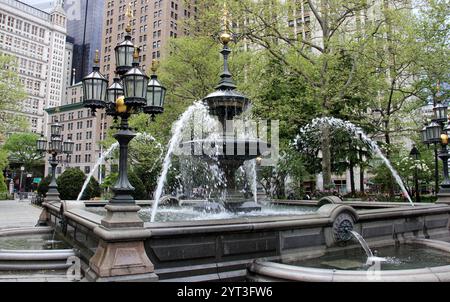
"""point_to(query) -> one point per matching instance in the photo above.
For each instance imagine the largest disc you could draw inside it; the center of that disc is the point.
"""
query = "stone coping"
(92, 221)
(25, 231)
(270, 271)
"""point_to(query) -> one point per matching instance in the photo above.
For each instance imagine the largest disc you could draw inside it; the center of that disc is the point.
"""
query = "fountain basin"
(222, 249)
(33, 249)
(417, 260)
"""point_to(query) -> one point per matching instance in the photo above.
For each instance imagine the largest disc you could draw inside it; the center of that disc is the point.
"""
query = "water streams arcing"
(174, 143)
(106, 154)
(96, 166)
(355, 131)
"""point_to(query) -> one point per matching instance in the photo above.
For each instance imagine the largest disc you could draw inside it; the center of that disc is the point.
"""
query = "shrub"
(93, 190)
(3, 186)
(139, 193)
(70, 183)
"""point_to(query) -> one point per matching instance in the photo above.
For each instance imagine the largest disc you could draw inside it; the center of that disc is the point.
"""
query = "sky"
(41, 4)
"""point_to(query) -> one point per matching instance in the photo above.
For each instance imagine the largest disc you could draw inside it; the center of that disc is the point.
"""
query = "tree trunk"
(326, 157)
(388, 156)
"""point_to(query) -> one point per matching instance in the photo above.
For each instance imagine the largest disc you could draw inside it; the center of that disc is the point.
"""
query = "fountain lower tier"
(193, 250)
(230, 154)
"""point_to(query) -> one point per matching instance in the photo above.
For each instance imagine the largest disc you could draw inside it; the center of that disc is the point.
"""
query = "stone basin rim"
(285, 272)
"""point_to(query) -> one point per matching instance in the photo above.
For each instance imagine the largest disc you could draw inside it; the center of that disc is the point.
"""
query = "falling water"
(96, 166)
(363, 243)
(174, 142)
(250, 167)
(352, 129)
(104, 156)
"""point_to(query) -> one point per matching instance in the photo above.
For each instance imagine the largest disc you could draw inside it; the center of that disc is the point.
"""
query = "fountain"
(117, 244)
(226, 103)
(353, 130)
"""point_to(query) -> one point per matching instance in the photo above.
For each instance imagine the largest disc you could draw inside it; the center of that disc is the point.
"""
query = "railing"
(37, 200)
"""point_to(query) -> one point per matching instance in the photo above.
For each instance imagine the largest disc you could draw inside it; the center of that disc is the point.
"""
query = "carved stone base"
(122, 216)
(443, 198)
(43, 218)
(120, 259)
(52, 196)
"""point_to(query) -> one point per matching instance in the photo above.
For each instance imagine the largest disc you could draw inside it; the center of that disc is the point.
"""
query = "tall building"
(85, 130)
(38, 40)
(84, 26)
(153, 24)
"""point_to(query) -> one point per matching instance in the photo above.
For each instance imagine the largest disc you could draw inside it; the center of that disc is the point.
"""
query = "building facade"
(84, 27)
(154, 22)
(85, 130)
(38, 40)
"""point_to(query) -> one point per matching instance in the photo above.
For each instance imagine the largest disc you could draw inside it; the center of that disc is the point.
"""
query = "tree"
(327, 65)
(138, 194)
(93, 190)
(12, 93)
(21, 148)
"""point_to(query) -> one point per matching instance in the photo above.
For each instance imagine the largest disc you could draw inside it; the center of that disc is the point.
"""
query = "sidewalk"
(18, 214)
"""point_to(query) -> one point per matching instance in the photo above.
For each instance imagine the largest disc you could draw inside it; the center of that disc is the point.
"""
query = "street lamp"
(130, 93)
(21, 178)
(415, 155)
(434, 134)
(54, 147)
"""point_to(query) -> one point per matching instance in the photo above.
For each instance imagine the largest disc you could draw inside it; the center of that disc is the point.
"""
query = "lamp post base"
(443, 197)
(121, 254)
(121, 261)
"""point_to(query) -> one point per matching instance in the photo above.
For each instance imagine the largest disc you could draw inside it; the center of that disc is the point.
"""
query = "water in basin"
(401, 257)
(33, 242)
(187, 213)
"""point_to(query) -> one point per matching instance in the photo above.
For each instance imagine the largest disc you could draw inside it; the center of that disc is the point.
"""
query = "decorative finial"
(97, 57)
(225, 37)
(155, 65)
(136, 53)
(129, 14)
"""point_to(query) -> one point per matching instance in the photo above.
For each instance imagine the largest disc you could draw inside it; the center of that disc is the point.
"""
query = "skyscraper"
(84, 26)
(37, 40)
(153, 24)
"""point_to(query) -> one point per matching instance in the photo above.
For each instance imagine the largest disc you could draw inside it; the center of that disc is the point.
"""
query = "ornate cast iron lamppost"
(444, 155)
(431, 135)
(54, 147)
(132, 92)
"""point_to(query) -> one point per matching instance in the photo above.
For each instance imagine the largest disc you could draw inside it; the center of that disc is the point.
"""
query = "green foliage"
(21, 148)
(12, 93)
(139, 193)
(93, 190)
(70, 183)
(3, 159)
(3, 186)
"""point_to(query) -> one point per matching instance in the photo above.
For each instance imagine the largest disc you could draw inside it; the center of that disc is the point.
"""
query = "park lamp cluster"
(56, 145)
(438, 130)
(132, 91)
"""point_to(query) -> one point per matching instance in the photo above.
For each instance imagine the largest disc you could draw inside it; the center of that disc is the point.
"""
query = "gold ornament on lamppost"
(225, 37)
(130, 15)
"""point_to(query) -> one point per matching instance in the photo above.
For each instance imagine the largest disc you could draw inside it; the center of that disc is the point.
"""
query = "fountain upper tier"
(226, 149)
(226, 104)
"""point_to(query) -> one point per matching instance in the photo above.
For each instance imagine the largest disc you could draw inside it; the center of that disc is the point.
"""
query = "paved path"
(18, 214)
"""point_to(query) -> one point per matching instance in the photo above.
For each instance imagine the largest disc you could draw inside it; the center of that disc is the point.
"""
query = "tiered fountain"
(226, 103)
